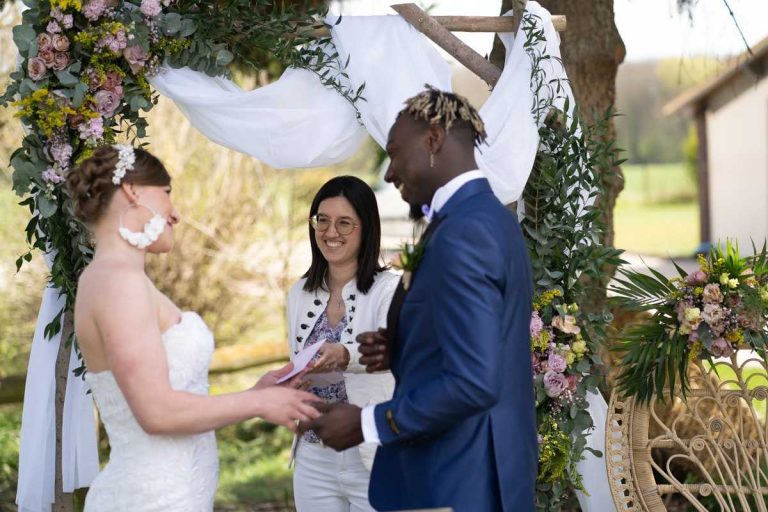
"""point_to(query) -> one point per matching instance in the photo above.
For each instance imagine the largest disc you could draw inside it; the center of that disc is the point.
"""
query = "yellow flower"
(692, 314)
(570, 357)
(698, 291)
(736, 336)
(579, 347)
(76, 5)
(733, 283)
(724, 278)
(695, 349)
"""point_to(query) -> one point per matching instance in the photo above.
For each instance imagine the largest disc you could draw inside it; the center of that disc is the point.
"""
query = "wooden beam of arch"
(439, 30)
(471, 24)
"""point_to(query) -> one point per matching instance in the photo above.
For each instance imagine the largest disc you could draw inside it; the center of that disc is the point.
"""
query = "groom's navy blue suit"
(460, 430)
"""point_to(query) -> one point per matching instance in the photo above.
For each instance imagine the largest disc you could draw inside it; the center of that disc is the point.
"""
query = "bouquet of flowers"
(708, 313)
(562, 367)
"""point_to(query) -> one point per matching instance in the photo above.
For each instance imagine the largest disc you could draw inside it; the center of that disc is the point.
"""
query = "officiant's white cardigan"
(365, 312)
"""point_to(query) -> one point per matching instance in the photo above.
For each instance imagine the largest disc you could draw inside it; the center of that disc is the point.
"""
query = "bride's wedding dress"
(157, 473)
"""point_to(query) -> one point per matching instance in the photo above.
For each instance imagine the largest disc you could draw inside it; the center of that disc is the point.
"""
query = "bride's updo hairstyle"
(90, 184)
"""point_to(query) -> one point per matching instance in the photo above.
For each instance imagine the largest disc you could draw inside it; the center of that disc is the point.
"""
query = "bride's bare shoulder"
(106, 277)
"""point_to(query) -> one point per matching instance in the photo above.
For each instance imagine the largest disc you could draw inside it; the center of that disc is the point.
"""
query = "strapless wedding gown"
(157, 473)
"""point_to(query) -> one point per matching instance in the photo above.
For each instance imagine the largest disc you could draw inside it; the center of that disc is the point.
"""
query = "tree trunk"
(592, 50)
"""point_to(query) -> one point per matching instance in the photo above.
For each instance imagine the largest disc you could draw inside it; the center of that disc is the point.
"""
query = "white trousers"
(329, 481)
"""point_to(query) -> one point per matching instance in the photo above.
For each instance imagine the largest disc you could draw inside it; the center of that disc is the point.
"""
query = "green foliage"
(10, 425)
(563, 227)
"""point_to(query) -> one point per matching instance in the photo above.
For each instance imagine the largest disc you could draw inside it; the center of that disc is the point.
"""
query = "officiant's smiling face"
(409, 147)
(338, 234)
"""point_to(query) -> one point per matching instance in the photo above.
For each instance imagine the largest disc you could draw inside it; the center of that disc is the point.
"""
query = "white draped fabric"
(80, 462)
(297, 122)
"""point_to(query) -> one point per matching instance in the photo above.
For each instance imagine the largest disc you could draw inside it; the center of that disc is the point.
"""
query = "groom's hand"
(375, 348)
(339, 426)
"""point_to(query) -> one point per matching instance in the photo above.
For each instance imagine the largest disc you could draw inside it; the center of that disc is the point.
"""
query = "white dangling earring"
(152, 229)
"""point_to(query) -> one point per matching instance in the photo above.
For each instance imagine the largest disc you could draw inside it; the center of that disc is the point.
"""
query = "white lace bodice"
(157, 473)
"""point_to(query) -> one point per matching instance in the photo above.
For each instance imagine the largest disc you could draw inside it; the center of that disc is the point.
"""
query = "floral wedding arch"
(86, 77)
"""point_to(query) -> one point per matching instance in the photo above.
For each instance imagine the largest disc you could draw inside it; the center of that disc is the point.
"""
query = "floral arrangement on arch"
(561, 362)
(708, 313)
(82, 81)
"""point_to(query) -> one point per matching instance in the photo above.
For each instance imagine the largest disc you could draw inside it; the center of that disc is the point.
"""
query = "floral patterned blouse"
(333, 393)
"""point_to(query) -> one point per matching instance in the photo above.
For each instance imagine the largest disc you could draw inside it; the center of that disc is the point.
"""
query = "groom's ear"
(435, 138)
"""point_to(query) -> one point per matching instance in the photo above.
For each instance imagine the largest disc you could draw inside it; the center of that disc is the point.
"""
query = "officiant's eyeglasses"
(344, 225)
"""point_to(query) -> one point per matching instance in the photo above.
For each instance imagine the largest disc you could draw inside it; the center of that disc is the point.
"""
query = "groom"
(460, 430)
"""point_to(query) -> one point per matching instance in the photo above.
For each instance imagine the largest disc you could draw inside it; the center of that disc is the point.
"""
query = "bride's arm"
(127, 321)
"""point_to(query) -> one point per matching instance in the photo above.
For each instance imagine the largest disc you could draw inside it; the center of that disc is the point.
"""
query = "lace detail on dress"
(157, 473)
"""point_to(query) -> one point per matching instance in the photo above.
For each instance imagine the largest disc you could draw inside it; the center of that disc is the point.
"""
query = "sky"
(650, 28)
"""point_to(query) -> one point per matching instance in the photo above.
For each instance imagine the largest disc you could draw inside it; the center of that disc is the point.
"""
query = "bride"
(147, 360)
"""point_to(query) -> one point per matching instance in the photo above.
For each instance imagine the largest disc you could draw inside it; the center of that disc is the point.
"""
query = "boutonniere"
(408, 260)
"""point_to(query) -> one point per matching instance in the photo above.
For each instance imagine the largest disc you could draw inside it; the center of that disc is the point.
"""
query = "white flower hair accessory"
(126, 157)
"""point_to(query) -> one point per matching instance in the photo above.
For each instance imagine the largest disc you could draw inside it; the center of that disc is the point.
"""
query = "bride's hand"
(286, 407)
(332, 357)
(271, 378)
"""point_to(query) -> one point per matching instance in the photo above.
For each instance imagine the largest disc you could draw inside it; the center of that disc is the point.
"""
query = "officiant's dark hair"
(363, 200)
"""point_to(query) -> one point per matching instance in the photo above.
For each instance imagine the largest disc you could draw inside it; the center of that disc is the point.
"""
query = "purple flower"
(36, 68)
(712, 294)
(92, 129)
(150, 7)
(136, 57)
(721, 348)
(61, 60)
(67, 21)
(51, 176)
(107, 102)
(44, 42)
(698, 277)
(556, 363)
(94, 9)
(60, 43)
(114, 42)
(53, 27)
(61, 152)
(536, 324)
(554, 384)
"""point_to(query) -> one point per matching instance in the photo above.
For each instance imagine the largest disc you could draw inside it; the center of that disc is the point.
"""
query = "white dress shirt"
(441, 197)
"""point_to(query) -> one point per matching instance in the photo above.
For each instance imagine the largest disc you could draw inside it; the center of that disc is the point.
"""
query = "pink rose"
(698, 277)
(721, 348)
(712, 294)
(47, 56)
(566, 323)
(136, 57)
(44, 42)
(60, 43)
(107, 103)
(714, 316)
(112, 80)
(536, 324)
(571, 381)
(36, 68)
(554, 384)
(150, 7)
(557, 363)
(61, 60)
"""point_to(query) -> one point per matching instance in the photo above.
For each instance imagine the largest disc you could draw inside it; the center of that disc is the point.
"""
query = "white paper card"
(302, 359)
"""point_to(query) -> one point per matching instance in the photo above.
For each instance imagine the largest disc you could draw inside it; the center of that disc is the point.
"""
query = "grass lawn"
(657, 212)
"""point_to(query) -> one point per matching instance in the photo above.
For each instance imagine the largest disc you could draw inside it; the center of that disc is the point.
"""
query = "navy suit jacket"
(460, 430)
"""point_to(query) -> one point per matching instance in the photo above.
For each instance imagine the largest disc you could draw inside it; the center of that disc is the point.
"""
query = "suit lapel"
(393, 315)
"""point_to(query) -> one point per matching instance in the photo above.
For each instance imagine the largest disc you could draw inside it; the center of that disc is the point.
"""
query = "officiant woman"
(346, 291)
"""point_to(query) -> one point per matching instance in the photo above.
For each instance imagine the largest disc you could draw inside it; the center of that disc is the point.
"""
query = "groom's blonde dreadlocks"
(444, 108)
